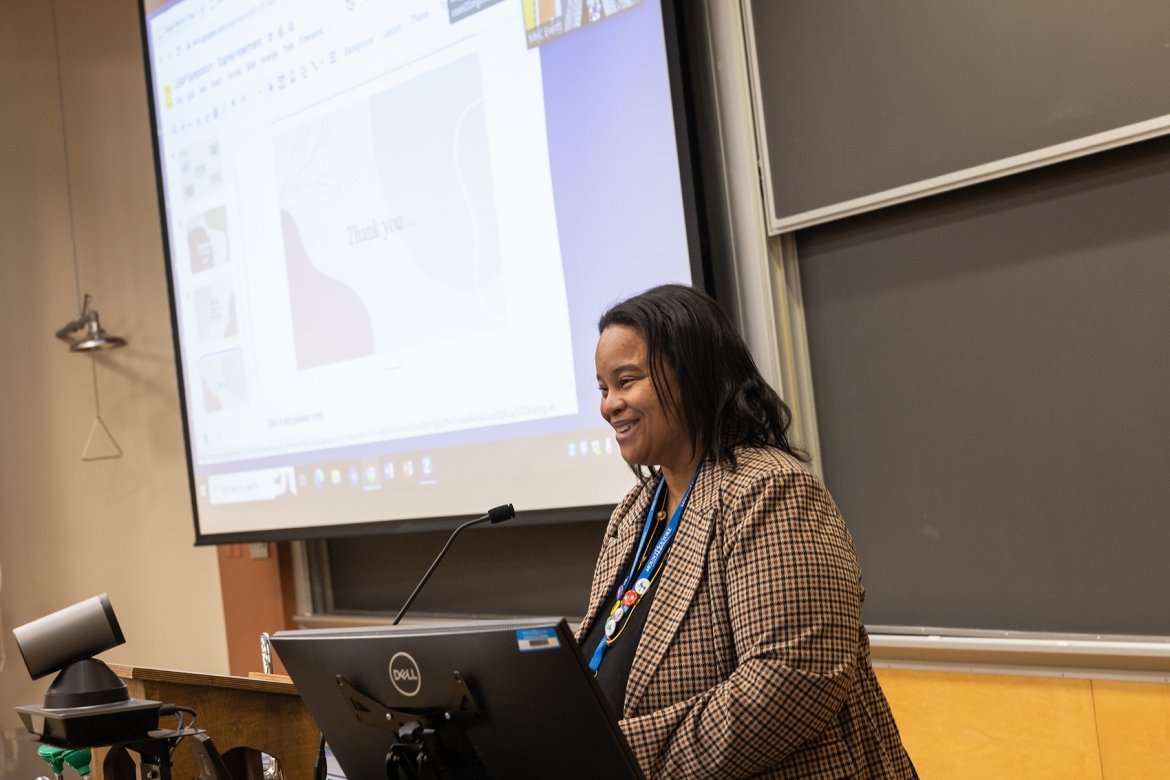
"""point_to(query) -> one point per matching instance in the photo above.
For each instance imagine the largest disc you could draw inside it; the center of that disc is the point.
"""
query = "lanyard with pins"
(626, 597)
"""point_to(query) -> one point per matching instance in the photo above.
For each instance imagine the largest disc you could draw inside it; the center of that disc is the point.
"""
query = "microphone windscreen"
(499, 514)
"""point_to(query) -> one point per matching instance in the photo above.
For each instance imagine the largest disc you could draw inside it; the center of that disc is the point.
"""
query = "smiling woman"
(724, 620)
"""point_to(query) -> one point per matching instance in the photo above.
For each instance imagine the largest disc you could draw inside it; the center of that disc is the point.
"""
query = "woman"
(724, 622)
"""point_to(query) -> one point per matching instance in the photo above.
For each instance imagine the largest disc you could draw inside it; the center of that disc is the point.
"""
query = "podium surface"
(244, 716)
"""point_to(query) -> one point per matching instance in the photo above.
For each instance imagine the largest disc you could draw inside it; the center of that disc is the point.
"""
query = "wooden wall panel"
(975, 726)
(258, 596)
(1133, 729)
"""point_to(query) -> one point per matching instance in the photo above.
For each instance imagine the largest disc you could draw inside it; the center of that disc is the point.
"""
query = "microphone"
(497, 514)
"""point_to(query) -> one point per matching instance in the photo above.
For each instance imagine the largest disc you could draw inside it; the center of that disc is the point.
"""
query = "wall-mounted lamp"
(86, 334)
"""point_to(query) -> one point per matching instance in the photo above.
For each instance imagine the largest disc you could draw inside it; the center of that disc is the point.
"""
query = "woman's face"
(648, 433)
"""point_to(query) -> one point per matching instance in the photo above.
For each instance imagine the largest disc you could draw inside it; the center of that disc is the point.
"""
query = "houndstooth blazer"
(753, 661)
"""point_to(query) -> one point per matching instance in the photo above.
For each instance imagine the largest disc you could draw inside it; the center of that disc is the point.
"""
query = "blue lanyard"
(626, 598)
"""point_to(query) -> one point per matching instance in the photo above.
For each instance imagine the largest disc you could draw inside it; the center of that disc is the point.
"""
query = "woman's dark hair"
(720, 396)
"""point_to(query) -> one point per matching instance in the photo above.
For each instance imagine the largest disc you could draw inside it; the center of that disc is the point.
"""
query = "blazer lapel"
(680, 578)
(614, 551)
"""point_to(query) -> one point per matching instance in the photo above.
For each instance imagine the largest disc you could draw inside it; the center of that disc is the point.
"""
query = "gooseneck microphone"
(497, 514)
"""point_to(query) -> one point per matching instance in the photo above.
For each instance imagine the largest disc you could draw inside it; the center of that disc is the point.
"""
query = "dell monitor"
(497, 699)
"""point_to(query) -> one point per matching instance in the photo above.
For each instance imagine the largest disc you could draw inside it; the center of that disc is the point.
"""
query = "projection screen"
(390, 229)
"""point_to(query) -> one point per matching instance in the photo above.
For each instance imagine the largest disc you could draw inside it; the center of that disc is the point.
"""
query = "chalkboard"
(992, 378)
(862, 97)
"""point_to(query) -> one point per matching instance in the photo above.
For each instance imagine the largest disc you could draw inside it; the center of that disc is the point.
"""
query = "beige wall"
(71, 529)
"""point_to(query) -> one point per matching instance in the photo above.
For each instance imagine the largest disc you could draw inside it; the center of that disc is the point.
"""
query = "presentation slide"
(391, 228)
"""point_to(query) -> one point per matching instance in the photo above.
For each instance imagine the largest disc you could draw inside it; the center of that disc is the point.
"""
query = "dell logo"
(404, 674)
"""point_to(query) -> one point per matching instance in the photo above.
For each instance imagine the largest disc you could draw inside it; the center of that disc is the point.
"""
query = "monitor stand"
(430, 743)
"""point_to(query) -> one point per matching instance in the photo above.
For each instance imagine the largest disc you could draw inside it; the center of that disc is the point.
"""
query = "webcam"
(86, 704)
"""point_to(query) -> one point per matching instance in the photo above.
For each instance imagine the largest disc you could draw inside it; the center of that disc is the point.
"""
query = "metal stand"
(155, 750)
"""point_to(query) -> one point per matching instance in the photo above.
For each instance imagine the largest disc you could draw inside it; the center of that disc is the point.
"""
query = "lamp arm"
(66, 331)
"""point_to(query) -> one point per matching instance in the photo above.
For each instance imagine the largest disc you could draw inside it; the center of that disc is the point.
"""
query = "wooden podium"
(244, 716)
